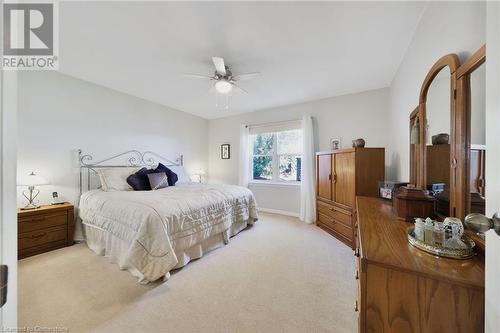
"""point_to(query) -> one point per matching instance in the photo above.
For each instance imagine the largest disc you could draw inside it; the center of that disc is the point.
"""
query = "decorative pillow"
(181, 173)
(139, 180)
(158, 180)
(115, 179)
(172, 177)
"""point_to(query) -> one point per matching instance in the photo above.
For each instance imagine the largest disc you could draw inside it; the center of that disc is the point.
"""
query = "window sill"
(274, 184)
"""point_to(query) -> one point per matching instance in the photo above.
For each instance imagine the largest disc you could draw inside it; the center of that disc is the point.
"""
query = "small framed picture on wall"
(225, 151)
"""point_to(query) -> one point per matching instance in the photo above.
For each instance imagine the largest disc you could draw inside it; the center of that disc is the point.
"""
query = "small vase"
(360, 143)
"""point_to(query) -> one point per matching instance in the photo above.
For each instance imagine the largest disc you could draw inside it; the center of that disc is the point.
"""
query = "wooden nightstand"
(44, 229)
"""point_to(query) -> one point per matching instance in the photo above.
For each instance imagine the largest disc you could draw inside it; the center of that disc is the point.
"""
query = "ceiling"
(304, 50)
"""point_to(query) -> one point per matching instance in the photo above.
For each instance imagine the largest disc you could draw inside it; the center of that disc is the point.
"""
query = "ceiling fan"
(225, 80)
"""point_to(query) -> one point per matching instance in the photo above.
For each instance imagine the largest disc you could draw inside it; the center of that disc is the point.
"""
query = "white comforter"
(159, 223)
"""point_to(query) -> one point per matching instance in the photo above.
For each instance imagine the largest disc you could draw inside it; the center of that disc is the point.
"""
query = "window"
(276, 156)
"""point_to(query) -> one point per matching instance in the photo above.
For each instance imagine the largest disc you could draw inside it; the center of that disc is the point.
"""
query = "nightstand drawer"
(38, 222)
(40, 237)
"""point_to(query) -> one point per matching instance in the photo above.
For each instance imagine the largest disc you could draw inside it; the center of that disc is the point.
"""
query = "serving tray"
(454, 253)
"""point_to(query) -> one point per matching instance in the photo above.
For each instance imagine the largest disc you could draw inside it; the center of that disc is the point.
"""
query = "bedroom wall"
(445, 27)
(349, 117)
(59, 114)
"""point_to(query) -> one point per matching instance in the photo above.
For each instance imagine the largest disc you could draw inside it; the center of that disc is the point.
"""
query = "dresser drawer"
(41, 237)
(336, 225)
(32, 223)
(338, 214)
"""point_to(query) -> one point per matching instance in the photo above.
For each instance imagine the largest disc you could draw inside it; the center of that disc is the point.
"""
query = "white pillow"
(115, 179)
(182, 175)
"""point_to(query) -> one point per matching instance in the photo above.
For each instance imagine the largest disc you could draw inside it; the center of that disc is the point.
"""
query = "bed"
(150, 233)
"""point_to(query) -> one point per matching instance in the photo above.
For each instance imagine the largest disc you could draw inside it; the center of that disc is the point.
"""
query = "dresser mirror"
(414, 145)
(447, 136)
(471, 78)
(437, 141)
(434, 160)
(477, 181)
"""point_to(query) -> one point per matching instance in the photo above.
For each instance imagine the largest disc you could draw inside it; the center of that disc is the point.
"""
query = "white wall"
(445, 27)
(8, 222)
(493, 165)
(348, 117)
(59, 114)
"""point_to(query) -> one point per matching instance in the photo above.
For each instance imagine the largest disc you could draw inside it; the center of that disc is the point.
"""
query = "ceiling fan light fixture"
(223, 86)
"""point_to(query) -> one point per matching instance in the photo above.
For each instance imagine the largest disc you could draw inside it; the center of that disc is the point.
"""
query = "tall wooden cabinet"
(341, 176)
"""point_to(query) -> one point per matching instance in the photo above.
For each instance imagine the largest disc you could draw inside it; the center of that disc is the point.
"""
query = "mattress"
(150, 233)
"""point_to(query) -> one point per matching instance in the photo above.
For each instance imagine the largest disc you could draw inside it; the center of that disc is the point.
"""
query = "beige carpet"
(279, 276)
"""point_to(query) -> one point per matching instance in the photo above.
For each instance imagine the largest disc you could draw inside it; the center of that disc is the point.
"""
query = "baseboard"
(278, 211)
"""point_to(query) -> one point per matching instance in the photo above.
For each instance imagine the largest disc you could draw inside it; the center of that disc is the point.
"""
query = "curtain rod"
(273, 123)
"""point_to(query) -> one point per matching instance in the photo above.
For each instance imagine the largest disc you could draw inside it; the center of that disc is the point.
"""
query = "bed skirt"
(115, 249)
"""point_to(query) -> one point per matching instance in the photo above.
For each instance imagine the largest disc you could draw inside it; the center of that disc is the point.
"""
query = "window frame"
(275, 160)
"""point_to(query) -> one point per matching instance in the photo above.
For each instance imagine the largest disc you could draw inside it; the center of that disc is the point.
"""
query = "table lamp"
(199, 175)
(31, 181)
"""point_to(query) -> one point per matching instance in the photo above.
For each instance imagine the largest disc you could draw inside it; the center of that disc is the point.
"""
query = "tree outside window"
(277, 156)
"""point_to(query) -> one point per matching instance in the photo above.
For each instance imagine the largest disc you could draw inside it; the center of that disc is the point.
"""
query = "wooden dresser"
(44, 229)
(402, 289)
(341, 176)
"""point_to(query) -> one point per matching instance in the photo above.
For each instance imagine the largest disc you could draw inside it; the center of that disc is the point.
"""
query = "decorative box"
(386, 188)
(409, 203)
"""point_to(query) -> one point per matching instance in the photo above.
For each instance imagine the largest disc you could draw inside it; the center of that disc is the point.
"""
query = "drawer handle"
(37, 219)
(356, 252)
(357, 275)
(39, 235)
(356, 306)
(332, 209)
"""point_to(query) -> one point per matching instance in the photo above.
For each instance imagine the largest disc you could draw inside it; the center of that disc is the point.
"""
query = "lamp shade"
(31, 179)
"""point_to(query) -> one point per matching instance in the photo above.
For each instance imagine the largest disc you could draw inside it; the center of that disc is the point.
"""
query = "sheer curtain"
(244, 156)
(307, 189)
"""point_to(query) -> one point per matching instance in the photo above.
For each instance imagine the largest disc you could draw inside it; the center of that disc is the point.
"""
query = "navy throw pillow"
(139, 181)
(172, 176)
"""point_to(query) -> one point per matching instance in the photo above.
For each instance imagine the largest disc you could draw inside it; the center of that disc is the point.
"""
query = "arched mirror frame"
(463, 131)
(452, 62)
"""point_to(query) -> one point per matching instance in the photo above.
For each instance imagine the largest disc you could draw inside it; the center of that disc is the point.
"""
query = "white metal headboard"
(130, 158)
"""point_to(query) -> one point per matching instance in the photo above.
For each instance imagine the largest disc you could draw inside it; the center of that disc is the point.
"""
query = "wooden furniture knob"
(39, 235)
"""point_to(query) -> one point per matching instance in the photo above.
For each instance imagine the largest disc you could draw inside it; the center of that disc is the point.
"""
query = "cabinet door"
(324, 165)
(343, 178)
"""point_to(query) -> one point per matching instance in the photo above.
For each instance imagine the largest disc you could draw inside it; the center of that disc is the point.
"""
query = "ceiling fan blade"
(198, 76)
(239, 88)
(220, 67)
(246, 76)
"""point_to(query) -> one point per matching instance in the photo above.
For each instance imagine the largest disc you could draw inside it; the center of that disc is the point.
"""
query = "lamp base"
(30, 196)
(30, 206)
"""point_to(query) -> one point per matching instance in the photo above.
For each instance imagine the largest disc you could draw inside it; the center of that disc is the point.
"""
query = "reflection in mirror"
(477, 139)
(414, 142)
(438, 117)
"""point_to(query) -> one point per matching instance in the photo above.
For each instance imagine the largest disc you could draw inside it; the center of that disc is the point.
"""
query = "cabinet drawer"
(39, 222)
(336, 225)
(337, 213)
(39, 237)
